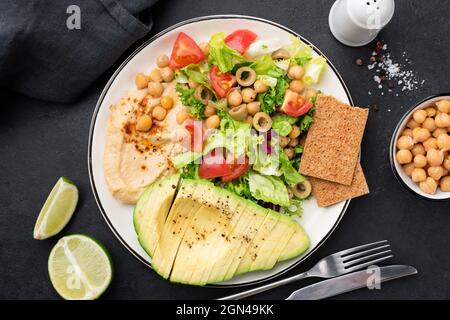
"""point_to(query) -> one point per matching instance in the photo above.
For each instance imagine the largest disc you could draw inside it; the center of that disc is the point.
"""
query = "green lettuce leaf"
(197, 76)
(282, 124)
(290, 174)
(240, 186)
(222, 55)
(314, 70)
(294, 208)
(274, 97)
(297, 48)
(268, 189)
(306, 122)
(183, 159)
(194, 107)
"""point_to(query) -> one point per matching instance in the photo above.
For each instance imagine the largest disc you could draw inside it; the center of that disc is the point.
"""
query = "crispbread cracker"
(333, 141)
(328, 193)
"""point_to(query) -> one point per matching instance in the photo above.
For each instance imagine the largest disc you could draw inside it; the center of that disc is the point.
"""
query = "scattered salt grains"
(388, 69)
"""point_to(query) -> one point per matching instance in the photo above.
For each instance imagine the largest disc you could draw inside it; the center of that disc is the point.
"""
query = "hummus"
(134, 159)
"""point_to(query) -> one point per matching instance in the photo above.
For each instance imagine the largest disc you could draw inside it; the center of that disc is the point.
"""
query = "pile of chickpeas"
(155, 88)
(423, 147)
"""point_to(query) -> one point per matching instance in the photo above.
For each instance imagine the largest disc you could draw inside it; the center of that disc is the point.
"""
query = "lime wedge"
(57, 209)
(80, 268)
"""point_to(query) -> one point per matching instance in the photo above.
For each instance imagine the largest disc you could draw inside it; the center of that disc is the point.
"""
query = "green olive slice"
(281, 54)
(262, 122)
(239, 113)
(245, 76)
(202, 94)
(302, 190)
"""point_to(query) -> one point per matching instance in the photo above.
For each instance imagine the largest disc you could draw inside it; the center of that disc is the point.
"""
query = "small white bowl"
(397, 168)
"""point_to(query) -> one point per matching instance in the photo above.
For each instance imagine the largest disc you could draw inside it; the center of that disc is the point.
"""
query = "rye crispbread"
(333, 141)
(328, 193)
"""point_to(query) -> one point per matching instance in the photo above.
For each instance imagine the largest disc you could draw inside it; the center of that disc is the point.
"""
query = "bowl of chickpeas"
(420, 149)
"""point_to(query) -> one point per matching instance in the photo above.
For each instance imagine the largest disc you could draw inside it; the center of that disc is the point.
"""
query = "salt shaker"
(357, 22)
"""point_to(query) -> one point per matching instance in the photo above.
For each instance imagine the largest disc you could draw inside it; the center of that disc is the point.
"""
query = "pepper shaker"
(356, 23)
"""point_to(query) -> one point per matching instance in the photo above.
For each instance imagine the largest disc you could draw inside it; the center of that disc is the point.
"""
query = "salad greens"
(314, 70)
(282, 124)
(221, 54)
(194, 107)
(274, 96)
(268, 189)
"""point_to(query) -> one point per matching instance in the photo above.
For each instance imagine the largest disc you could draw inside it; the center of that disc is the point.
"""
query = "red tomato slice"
(185, 51)
(236, 171)
(214, 166)
(294, 104)
(240, 40)
(221, 82)
(197, 132)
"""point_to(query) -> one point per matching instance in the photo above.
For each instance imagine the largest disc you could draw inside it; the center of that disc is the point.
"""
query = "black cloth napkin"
(42, 58)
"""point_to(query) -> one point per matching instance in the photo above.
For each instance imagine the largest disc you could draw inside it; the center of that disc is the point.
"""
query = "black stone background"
(39, 142)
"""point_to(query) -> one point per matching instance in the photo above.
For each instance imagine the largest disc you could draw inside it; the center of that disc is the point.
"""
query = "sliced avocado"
(257, 216)
(298, 244)
(203, 234)
(276, 242)
(178, 220)
(260, 239)
(151, 211)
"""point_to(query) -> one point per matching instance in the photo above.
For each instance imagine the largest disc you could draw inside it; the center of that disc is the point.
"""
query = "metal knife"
(350, 282)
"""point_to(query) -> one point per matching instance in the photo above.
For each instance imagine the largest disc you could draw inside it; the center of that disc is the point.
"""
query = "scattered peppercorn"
(375, 108)
(359, 62)
(391, 85)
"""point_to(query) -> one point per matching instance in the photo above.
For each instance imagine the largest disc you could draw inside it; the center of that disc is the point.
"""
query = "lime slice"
(57, 209)
(80, 268)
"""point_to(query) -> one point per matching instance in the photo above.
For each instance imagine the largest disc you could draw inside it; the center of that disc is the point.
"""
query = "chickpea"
(297, 86)
(296, 72)
(442, 120)
(429, 124)
(430, 143)
(434, 157)
(260, 86)
(418, 149)
(447, 163)
(159, 113)
(204, 46)
(443, 106)
(293, 143)
(249, 120)
(253, 107)
(445, 184)
(155, 75)
(284, 141)
(420, 161)
(405, 142)
(182, 116)
(162, 61)
(407, 132)
(310, 93)
(248, 95)
(443, 141)
(234, 98)
(428, 186)
(419, 116)
(141, 81)
(167, 102)
(436, 172)
(295, 132)
(404, 156)
(209, 111)
(418, 175)
(431, 112)
(412, 124)
(438, 132)
(213, 121)
(144, 123)
(192, 84)
(420, 134)
(289, 152)
(408, 168)
(155, 89)
(167, 74)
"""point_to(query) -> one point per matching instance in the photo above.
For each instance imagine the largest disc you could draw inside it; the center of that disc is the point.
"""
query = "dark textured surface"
(40, 142)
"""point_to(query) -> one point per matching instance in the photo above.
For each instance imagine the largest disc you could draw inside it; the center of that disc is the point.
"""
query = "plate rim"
(116, 73)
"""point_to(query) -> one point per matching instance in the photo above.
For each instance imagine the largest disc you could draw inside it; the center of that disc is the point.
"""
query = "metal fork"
(334, 265)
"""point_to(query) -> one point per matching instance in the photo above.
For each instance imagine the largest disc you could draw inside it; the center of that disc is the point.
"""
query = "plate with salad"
(195, 148)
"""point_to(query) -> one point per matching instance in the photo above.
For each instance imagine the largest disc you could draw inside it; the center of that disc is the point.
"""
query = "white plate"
(319, 223)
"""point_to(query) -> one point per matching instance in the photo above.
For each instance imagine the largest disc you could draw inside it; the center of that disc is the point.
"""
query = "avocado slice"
(257, 216)
(178, 220)
(151, 211)
(297, 245)
(261, 237)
